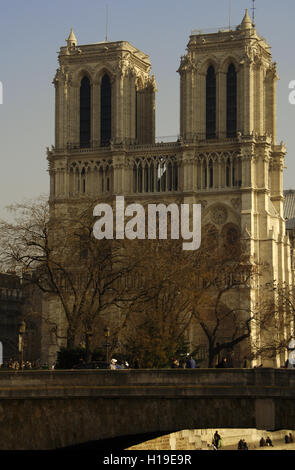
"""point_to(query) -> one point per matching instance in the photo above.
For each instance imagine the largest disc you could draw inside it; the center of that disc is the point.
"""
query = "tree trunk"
(212, 355)
(70, 338)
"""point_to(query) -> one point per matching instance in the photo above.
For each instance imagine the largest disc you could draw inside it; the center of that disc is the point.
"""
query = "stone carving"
(186, 64)
(203, 204)
(236, 203)
(219, 215)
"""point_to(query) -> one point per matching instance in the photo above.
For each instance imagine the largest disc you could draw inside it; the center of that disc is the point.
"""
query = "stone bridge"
(57, 409)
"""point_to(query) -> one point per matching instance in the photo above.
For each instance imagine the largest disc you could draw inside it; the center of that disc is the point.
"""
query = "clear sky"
(32, 31)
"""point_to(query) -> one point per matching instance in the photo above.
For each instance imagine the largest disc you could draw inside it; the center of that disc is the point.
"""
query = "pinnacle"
(72, 38)
(246, 23)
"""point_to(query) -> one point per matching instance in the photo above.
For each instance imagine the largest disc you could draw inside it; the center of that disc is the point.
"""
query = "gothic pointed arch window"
(85, 112)
(134, 178)
(146, 178)
(227, 173)
(83, 181)
(211, 103)
(211, 177)
(205, 175)
(139, 177)
(231, 101)
(105, 111)
(152, 177)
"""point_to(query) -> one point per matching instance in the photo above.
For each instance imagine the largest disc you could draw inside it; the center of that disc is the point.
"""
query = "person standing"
(113, 364)
(223, 364)
(190, 363)
(175, 364)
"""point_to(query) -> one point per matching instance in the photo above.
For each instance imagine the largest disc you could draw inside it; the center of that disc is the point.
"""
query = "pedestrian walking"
(217, 440)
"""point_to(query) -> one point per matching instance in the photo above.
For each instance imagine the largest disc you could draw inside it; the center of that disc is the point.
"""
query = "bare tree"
(62, 257)
(209, 288)
(221, 275)
(158, 316)
(277, 322)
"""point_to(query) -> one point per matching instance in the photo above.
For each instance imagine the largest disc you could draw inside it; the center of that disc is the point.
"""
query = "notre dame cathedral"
(226, 157)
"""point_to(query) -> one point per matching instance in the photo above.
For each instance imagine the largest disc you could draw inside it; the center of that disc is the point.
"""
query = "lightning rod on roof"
(107, 22)
(253, 13)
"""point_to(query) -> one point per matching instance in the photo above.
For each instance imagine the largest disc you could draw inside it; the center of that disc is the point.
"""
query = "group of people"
(288, 438)
(16, 365)
(187, 362)
(266, 442)
(242, 445)
(115, 364)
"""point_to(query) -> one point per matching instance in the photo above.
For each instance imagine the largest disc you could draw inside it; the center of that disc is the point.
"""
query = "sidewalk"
(277, 445)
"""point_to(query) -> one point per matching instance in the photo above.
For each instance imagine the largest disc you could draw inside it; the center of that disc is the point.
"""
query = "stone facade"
(17, 303)
(105, 92)
(11, 303)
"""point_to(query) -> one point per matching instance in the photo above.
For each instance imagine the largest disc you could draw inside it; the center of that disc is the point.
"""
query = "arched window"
(134, 178)
(105, 111)
(227, 173)
(152, 178)
(139, 176)
(175, 174)
(85, 112)
(83, 179)
(205, 175)
(210, 174)
(136, 113)
(211, 103)
(231, 102)
(146, 178)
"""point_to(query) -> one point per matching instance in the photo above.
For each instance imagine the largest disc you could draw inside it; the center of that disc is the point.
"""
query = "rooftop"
(289, 204)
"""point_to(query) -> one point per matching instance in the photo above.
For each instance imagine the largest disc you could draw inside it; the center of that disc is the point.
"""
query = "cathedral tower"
(104, 94)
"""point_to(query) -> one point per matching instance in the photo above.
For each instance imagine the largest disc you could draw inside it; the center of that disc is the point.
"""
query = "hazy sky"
(32, 31)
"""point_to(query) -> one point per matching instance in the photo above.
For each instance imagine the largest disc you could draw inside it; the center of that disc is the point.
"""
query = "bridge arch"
(58, 409)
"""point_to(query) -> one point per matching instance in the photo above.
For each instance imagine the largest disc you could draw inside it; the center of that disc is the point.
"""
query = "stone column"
(248, 118)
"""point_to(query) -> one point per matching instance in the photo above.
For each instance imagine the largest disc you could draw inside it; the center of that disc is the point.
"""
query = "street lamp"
(107, 344)
(21, 334)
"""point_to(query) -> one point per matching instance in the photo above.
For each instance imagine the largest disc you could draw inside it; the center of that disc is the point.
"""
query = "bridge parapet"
(51, 409)
(243, 382)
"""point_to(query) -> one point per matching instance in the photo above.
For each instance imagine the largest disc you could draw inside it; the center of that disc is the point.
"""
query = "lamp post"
(21, 334)
(107, 335)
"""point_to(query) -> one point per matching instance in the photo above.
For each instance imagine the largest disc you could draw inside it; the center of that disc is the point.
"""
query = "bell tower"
(104, 94)
(228, 84)
(228, 97)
